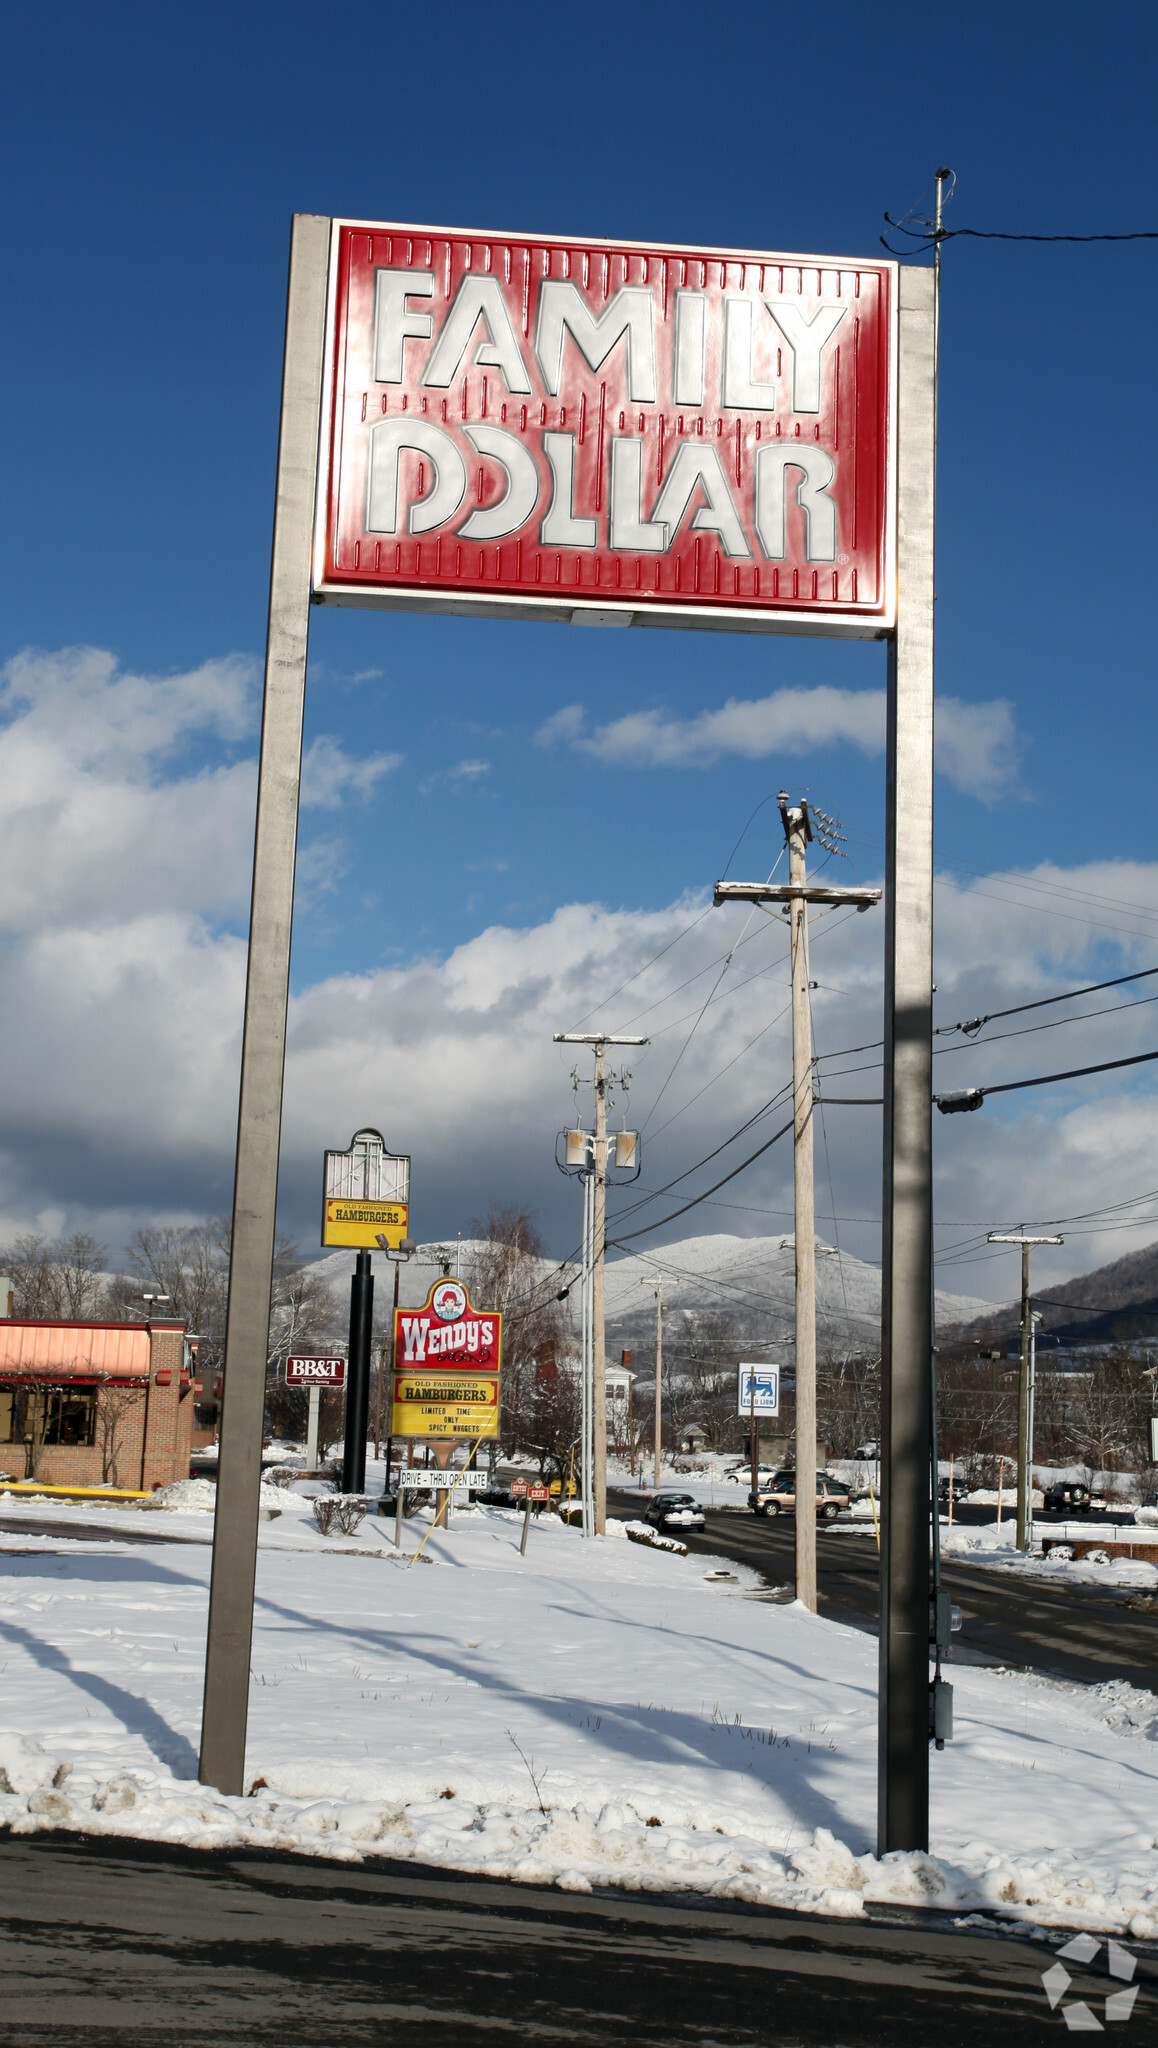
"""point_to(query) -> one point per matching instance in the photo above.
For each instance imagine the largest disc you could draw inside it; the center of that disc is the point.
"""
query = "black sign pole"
(358, 1376)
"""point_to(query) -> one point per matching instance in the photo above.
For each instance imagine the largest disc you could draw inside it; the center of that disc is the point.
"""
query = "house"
(92, 1404)
(618, 1380)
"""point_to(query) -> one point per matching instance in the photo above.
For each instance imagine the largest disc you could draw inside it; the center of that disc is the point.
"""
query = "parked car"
(780, 1496)
(871, 1449)
(675, 1510)
(741, 1474)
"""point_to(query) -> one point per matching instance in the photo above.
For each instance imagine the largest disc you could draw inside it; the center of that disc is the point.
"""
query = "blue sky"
(152, 160)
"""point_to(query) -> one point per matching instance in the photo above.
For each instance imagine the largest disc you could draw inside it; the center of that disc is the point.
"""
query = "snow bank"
(186, 1494)
(596, 1713)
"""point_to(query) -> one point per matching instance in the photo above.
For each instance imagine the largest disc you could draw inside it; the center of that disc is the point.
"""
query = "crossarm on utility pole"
(1024, 1474)
(790, 891)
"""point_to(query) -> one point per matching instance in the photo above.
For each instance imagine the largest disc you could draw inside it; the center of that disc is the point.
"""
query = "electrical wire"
(695, 1202)
(1136, 1059)
(723, 1070)
(1027, 1030)
(695, 1027)
(928, 236)
(975, 1024)
(647, 963)
(624, 1214)
(828, 1167)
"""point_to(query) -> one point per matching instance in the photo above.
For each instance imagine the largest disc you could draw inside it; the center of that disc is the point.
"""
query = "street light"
(406, 1250)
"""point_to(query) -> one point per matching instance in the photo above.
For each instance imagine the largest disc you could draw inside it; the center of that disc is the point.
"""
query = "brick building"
(92, 1404)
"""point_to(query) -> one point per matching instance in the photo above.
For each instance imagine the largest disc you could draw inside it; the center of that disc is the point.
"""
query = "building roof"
(74, 1347)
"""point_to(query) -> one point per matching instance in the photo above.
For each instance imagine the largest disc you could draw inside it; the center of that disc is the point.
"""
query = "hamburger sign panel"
(447, 1361)
(611, 433)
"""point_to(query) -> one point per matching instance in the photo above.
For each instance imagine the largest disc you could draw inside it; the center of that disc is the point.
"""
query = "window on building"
(48, 1415)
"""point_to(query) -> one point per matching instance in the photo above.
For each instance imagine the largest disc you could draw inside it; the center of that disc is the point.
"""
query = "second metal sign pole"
(907, 1208)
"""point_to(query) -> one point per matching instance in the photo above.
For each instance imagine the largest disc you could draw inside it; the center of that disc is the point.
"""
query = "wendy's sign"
(611, 433)
(447, 1358)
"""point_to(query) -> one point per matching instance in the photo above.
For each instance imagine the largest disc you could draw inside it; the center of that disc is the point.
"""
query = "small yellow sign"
(445, 1405)
(358, 1224)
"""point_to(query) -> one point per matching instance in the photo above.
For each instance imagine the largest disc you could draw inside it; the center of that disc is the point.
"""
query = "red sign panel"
(621, 433)
(315, 1372)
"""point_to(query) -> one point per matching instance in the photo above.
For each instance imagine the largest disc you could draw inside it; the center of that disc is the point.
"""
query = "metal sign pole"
(227, 1650)
(906, 1216)
(358, 1381)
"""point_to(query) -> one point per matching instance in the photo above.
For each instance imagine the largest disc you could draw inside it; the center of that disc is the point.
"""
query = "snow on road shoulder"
(598, 1713)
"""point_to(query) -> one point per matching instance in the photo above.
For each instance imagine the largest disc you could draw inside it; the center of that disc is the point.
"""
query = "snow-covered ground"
(594, 1713)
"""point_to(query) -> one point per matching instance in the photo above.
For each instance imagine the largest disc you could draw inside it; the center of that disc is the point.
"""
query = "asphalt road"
(105, 1943)
(1074, 1632)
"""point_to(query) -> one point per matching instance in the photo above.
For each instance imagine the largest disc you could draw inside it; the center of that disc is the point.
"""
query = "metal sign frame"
(536, 391)
(903, 1801)
(359, 1219)
(745, 1404)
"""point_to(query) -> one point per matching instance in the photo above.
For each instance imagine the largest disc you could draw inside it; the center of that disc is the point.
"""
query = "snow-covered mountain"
(749, 1278)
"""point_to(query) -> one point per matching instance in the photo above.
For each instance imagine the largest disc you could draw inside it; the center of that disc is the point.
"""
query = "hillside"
(751, 1279)
(1113, 1304)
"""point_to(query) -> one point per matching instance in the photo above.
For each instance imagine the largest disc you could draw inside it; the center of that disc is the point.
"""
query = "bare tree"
(701, 1376)
(503, 1270)
(114, 1407)
(61, 1279)
(189, 1265)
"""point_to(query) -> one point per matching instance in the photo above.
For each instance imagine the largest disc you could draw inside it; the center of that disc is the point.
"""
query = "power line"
(604, 1000)
(1084, 1017)
(695, 1202)
(635, 1207)
(1092, 988)
(1040, 1080)
(927, 236)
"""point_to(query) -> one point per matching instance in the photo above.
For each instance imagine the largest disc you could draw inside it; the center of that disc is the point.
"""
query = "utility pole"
(1023, 1438)
(798, 832)
(598, 1321)
(798, 894)
(599, 1042)
(658, 1284)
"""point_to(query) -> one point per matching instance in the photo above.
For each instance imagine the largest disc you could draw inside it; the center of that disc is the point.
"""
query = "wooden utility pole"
(599, 1042)
(798, 832)
(598, 1332)
(658, 1378)
(658, 1286)
(1024, 1475)
(798, 893)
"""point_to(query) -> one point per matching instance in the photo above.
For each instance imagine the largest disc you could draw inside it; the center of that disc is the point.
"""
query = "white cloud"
(460, 771)
(330, 777)
(977, 744)
(97, 715)
(91, 820)
(120, 1010)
